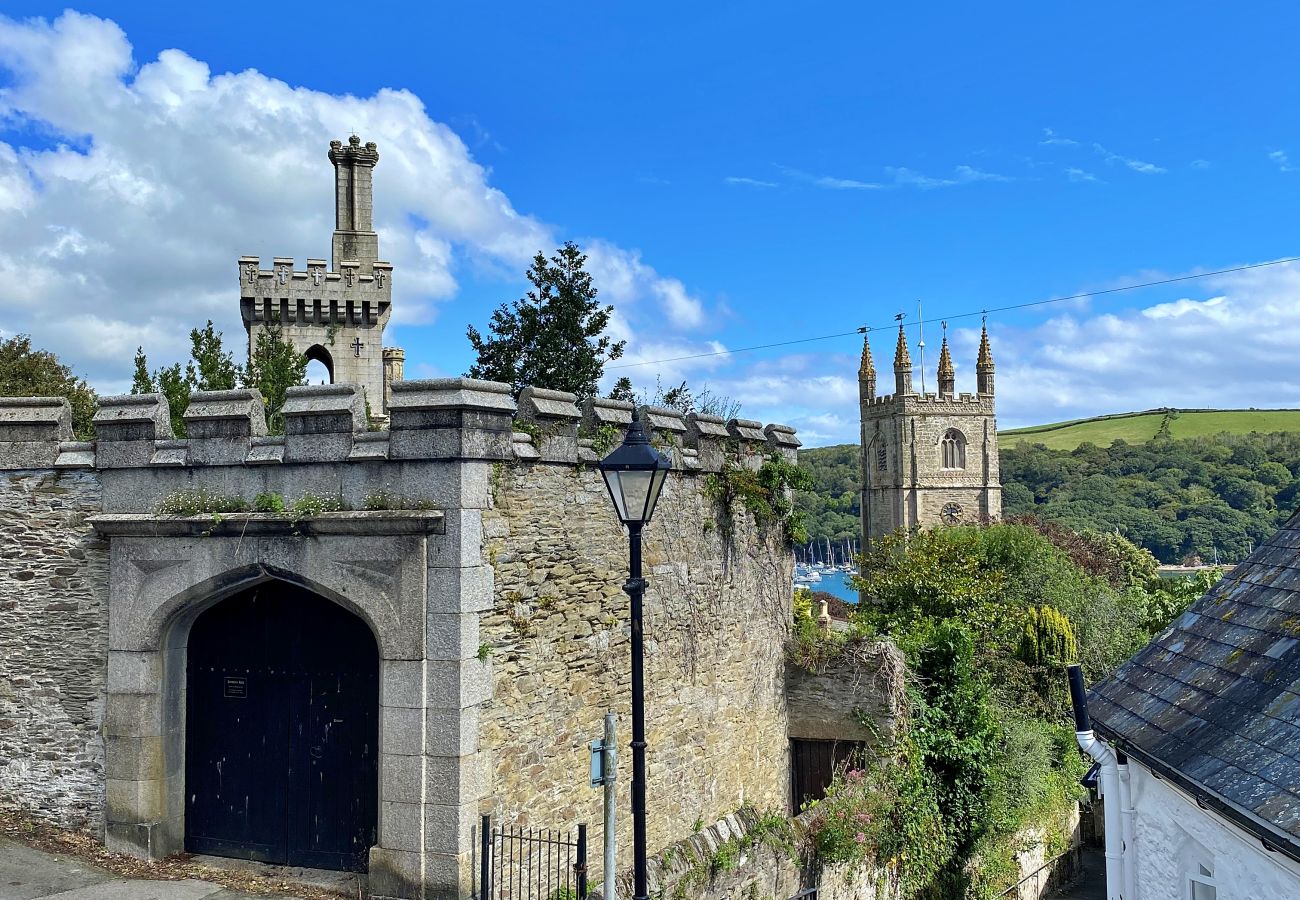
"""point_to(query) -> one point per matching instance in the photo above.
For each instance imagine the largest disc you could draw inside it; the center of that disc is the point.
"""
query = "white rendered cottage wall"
(1175, 837)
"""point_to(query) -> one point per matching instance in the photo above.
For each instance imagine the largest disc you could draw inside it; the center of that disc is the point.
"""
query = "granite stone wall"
(717, 613)
(53, 646)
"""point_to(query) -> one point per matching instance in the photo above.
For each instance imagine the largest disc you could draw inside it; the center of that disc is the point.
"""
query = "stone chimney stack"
(354, 232)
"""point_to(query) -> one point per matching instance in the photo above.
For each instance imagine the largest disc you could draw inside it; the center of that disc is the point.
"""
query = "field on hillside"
(1137, 428)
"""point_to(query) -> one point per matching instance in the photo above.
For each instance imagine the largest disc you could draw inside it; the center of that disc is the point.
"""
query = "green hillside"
(1137, 428)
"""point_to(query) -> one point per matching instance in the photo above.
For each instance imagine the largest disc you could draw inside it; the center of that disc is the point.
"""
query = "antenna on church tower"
(920, 342)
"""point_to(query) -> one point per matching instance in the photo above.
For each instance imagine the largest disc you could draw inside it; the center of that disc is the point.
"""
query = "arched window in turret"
(952, 449)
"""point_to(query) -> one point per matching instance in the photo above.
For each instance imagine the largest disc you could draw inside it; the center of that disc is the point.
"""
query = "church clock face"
(951, 513)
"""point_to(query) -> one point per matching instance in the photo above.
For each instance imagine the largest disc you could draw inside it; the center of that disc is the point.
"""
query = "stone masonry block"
(450, 418)
(141, 840)
(126, 427)
(402, 683)
(556, 415)
(400, 778)
(452, 732)
(134, 673)
(320, 421)
(400, 825)
(708, 436)
(781, 439)
(401, 730)
(458, 684)
(452, 636)
(31, 429)
(225, 414)
(395, 874)
(460, 590)
(456, 777)
(133, 715)
(449, 828)
(135, 801)
(461, 542)
(597, 411)
(133, 758)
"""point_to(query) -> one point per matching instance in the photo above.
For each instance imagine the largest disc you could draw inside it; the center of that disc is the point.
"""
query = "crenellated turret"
(866, 372)
(947, 373)
(902, 365)
(354, 202)
(984, 366)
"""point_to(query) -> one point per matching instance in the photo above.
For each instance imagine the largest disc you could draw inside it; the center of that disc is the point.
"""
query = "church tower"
(927, 459)
(336, 315)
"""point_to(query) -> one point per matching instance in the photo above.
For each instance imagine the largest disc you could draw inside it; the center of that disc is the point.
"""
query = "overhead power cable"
(966, 315)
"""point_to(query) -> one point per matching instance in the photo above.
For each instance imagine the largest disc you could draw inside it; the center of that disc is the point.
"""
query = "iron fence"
(516, 862)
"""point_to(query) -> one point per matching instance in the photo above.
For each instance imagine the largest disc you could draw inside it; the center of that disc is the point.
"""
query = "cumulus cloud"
(129, 188)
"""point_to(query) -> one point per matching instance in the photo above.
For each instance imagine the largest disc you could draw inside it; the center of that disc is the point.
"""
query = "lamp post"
(634, 474)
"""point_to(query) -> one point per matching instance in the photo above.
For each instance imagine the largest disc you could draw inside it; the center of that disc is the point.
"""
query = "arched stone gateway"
(282, 730)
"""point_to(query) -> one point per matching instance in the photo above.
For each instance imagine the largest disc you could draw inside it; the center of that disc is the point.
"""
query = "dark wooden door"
(814, 764)
(282, 731)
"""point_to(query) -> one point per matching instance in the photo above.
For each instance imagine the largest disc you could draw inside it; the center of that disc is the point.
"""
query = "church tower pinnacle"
(947, 374)
(984, 366)
(866, 372)
(902, 364)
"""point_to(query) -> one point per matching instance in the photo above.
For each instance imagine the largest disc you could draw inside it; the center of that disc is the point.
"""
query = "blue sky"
(749, 173)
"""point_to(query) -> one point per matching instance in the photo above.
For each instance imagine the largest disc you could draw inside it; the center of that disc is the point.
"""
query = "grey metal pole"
(610, 892)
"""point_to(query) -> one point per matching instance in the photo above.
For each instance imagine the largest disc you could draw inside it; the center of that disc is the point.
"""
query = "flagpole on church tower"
(920, 342)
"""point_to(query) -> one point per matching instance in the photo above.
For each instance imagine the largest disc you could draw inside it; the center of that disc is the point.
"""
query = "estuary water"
(836, 583)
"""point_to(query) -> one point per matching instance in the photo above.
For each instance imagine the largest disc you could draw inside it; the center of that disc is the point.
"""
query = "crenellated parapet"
(441, 419)
(314, 296)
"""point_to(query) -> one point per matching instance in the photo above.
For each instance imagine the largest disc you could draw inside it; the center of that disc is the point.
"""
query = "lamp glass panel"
(655, 487)
(613, 481)
(635, 486)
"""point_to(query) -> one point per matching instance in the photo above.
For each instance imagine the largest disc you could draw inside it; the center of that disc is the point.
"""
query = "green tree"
(25, 372)
(274, 366)
(552, 337)
(210, 367)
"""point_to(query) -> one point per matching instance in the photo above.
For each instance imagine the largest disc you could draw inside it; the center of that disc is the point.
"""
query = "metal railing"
(516, 862)
(1046, 871)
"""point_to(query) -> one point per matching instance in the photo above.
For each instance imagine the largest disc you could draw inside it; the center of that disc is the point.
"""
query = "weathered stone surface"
(31, 429)
(53, 617)
(716, 619)
(126, 427)
(321, 420)
(556, 415)
(451, 418)
(220, 425)
(867, 680)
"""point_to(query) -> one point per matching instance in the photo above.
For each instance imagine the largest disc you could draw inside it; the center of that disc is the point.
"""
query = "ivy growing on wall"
(765, 493)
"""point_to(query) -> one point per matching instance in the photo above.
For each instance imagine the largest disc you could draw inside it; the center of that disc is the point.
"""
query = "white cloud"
(1051, 138)
(846, 184)
(1229, 343)
(1280, 159)
(135, 185)
(749, 182)
(1136, 165)
(1075, 174)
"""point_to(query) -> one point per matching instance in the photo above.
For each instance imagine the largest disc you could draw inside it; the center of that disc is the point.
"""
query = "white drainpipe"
(1110, 785)
(1128, 829)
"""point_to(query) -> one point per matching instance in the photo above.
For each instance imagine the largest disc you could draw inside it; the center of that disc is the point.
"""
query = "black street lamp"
(634, 474)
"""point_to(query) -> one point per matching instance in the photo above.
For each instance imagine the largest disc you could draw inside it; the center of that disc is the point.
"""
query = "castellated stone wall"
(473, 523)
(717, 614)
(53, 646)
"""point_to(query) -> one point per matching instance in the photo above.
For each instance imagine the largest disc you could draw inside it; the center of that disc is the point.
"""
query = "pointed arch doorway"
(282, 730)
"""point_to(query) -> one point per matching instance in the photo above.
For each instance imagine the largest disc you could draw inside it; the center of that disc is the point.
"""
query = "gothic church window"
(882, 459)
(952, 449)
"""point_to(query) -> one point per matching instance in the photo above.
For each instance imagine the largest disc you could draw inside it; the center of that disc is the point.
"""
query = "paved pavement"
(1091, 883)
(27, 874)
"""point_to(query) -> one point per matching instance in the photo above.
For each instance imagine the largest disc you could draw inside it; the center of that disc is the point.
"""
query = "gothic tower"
(335, 316)
(927, 459)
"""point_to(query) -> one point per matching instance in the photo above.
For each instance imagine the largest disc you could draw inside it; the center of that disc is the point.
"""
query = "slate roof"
(1213, 702)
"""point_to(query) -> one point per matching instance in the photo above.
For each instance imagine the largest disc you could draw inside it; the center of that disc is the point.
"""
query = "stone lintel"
(369, 522)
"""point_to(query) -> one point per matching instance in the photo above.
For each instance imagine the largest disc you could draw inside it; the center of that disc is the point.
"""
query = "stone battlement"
(449, 419)
(315, 295)
(929, 402)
